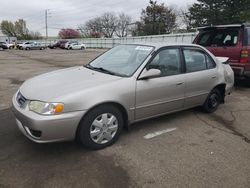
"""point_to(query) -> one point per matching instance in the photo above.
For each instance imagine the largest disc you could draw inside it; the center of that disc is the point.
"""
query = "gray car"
(127, 84)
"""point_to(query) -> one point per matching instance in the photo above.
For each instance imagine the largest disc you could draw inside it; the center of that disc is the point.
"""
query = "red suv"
(231, 41)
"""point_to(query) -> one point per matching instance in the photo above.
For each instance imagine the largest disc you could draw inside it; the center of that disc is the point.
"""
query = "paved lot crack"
(228, 124)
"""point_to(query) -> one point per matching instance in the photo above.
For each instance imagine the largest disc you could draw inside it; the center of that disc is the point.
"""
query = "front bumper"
(45, 129)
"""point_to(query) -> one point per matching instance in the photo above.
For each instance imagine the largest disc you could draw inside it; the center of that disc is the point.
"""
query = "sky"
(72, 13)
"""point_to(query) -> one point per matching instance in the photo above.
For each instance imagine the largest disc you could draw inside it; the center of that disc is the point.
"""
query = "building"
(5, 38)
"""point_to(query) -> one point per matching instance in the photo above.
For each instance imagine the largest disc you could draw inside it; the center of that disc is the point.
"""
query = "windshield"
(122, 60)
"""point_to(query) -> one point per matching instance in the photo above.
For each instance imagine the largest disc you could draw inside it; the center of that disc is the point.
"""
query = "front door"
(165, 93)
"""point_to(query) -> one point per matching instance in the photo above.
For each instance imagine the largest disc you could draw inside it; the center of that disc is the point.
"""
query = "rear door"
(200, 77)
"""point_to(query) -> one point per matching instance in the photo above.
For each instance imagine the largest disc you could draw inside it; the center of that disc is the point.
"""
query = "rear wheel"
(100, 127)
(1, 48)
(27, 48)
(213, 101)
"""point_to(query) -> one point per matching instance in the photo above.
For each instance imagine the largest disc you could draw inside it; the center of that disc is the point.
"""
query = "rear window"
(222, 37)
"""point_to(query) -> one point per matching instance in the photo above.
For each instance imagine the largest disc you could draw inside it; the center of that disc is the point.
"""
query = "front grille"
(20, 99)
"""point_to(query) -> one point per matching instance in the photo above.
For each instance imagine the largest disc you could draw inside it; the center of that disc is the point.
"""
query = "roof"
(223, 26)
(164, 44)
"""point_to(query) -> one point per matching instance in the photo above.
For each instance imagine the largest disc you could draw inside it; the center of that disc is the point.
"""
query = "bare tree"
(35, 35)
(108, 23)
(186, 19)
(122, 25)
(92, 28)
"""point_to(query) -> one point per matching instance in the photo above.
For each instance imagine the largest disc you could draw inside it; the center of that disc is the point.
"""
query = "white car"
(23, 45)
(77, 46)
(9, 45)
(67, 44)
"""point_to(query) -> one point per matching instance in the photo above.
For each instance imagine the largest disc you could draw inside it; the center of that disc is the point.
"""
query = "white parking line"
(157, 133)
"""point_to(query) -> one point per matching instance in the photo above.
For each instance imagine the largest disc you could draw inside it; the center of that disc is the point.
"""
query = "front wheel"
(100, 127)
(212, 102)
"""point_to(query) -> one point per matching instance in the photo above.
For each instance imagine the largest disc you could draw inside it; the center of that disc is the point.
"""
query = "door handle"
(213, 77)
(179, 83)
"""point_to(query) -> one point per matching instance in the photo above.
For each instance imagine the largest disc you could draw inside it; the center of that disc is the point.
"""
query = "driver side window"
(167, 61)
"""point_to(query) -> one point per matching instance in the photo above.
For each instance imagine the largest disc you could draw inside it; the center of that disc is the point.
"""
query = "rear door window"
(197, 60)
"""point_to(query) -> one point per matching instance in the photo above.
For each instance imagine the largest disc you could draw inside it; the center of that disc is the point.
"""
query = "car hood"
(50, 86)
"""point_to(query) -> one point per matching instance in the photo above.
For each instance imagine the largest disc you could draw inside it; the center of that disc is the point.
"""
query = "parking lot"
(189, 149)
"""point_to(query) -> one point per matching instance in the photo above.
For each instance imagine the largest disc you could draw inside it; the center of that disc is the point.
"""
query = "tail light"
(244, 56)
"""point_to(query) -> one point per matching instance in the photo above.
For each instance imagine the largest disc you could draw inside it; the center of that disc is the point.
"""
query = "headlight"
(46, 108)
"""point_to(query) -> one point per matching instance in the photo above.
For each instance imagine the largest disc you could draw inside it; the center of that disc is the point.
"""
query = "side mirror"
(151, 73)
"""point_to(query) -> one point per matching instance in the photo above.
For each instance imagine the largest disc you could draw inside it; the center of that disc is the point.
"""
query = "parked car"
(3, 46)
(127, 84)
(23, 44)
(32, 46)
(67, 44)
(232, 41)
(9, 45)
(76, 46)
(58, 44)
(18, 44)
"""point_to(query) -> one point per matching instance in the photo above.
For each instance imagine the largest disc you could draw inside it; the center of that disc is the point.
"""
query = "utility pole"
(46, 23)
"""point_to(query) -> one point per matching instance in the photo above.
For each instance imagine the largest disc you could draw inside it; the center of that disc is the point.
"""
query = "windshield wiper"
(101, 69)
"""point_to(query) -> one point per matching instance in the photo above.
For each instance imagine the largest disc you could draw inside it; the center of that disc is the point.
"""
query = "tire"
(82, 48)
(1, 49)
(27, 48)
(212, 102)
(103, 134)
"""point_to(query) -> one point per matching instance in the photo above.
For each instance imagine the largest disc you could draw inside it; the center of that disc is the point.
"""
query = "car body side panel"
(121, 92)
(159, 95)
(198, 86)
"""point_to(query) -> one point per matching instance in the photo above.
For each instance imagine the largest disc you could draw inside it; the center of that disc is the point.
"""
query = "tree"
(108, 24)
(18, 29)
(92, 28)
(157, 19)
(186, 19)
(68, 33)
(8, 28)
(35, 35)
(122, 25)
(219, 12)
(21, 29)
